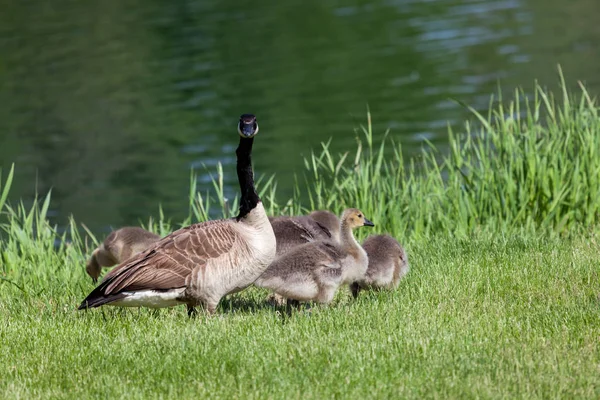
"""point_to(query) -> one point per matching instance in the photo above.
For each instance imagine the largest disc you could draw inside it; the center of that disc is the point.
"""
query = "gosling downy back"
(201, 263)
(329, 220)
(388, 263)
(118, 247)
(313, 271)
(294, 231)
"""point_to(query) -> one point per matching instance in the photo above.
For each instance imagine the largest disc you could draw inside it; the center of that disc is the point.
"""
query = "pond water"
(111, 103)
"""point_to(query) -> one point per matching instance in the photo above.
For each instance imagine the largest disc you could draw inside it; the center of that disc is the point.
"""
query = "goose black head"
(247, 127)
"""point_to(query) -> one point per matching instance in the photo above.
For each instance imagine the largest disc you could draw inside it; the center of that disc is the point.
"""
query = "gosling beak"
(368, 223)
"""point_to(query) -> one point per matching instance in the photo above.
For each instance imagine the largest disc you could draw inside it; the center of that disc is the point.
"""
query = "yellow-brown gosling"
(314, 271)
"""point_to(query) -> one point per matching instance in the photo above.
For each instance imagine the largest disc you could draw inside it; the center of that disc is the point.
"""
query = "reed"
(531, 163)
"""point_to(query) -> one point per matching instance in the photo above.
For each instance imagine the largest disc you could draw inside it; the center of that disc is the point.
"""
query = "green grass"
(502, 300)
(510, 318)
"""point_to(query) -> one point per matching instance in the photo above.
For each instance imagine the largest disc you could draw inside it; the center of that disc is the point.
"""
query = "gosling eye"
(359, 215)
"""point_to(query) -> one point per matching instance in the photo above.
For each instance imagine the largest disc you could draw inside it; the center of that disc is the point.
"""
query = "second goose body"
(118, 247)
(314, 271)
(201, 263)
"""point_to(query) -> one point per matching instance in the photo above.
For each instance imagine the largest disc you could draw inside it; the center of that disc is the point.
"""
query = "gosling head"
(93, 268)
(354, 218)
(247, 127)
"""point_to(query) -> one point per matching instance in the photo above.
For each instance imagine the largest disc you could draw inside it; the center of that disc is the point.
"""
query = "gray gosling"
(388, 263)
(329, 220)
(118, 247)
(201, 263)
(314, 271)
(294, 231)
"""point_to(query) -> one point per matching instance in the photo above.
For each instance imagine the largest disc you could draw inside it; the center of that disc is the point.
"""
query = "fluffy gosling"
(118, 247)
(388, 263)
(314, 271)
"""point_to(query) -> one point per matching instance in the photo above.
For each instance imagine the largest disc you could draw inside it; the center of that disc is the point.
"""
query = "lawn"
(493, 318)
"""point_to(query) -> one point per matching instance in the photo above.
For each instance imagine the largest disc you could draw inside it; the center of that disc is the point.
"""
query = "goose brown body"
(118, 246)
(201, 263)
(388, 263)
(314, 271)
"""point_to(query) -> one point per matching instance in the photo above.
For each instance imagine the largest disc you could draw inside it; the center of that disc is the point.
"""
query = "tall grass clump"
(532, 163)
(34, 255)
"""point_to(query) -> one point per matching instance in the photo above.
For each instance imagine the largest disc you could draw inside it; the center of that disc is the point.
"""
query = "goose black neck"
(249, 198)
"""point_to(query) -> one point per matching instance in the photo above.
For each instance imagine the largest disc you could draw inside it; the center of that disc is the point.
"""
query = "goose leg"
(191, 311)
(355, 289)
(211, 307)
(276, 299)
(326, 294)
(293, 303)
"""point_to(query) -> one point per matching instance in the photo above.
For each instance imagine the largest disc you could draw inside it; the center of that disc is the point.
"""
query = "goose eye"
(359, 215)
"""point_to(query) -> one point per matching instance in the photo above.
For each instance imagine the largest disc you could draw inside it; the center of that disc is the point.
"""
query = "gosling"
(388, 263)
(295, 231)
(118, 247)
(329, 220)
(314, 271)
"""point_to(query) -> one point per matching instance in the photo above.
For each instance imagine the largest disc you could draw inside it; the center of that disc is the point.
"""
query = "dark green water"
(110, 103)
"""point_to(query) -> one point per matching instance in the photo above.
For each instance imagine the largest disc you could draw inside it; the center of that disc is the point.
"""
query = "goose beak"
(247, 127)
(246, 130)
(368, 223)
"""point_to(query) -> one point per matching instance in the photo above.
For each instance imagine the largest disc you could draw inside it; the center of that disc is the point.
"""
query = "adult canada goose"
(388, 263)
(314, 271)
(294, 231)
(118, 247)
(201, 263)
(329, 220)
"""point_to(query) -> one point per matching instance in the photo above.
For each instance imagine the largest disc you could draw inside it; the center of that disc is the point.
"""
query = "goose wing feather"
(167, 264)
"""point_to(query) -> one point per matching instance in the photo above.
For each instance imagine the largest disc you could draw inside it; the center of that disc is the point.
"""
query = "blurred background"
(111, 103)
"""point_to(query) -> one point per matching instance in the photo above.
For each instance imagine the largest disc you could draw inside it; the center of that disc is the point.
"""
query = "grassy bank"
(501, 301)
(501, 318)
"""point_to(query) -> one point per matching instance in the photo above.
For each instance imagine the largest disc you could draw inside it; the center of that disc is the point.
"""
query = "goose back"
(201, 263)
